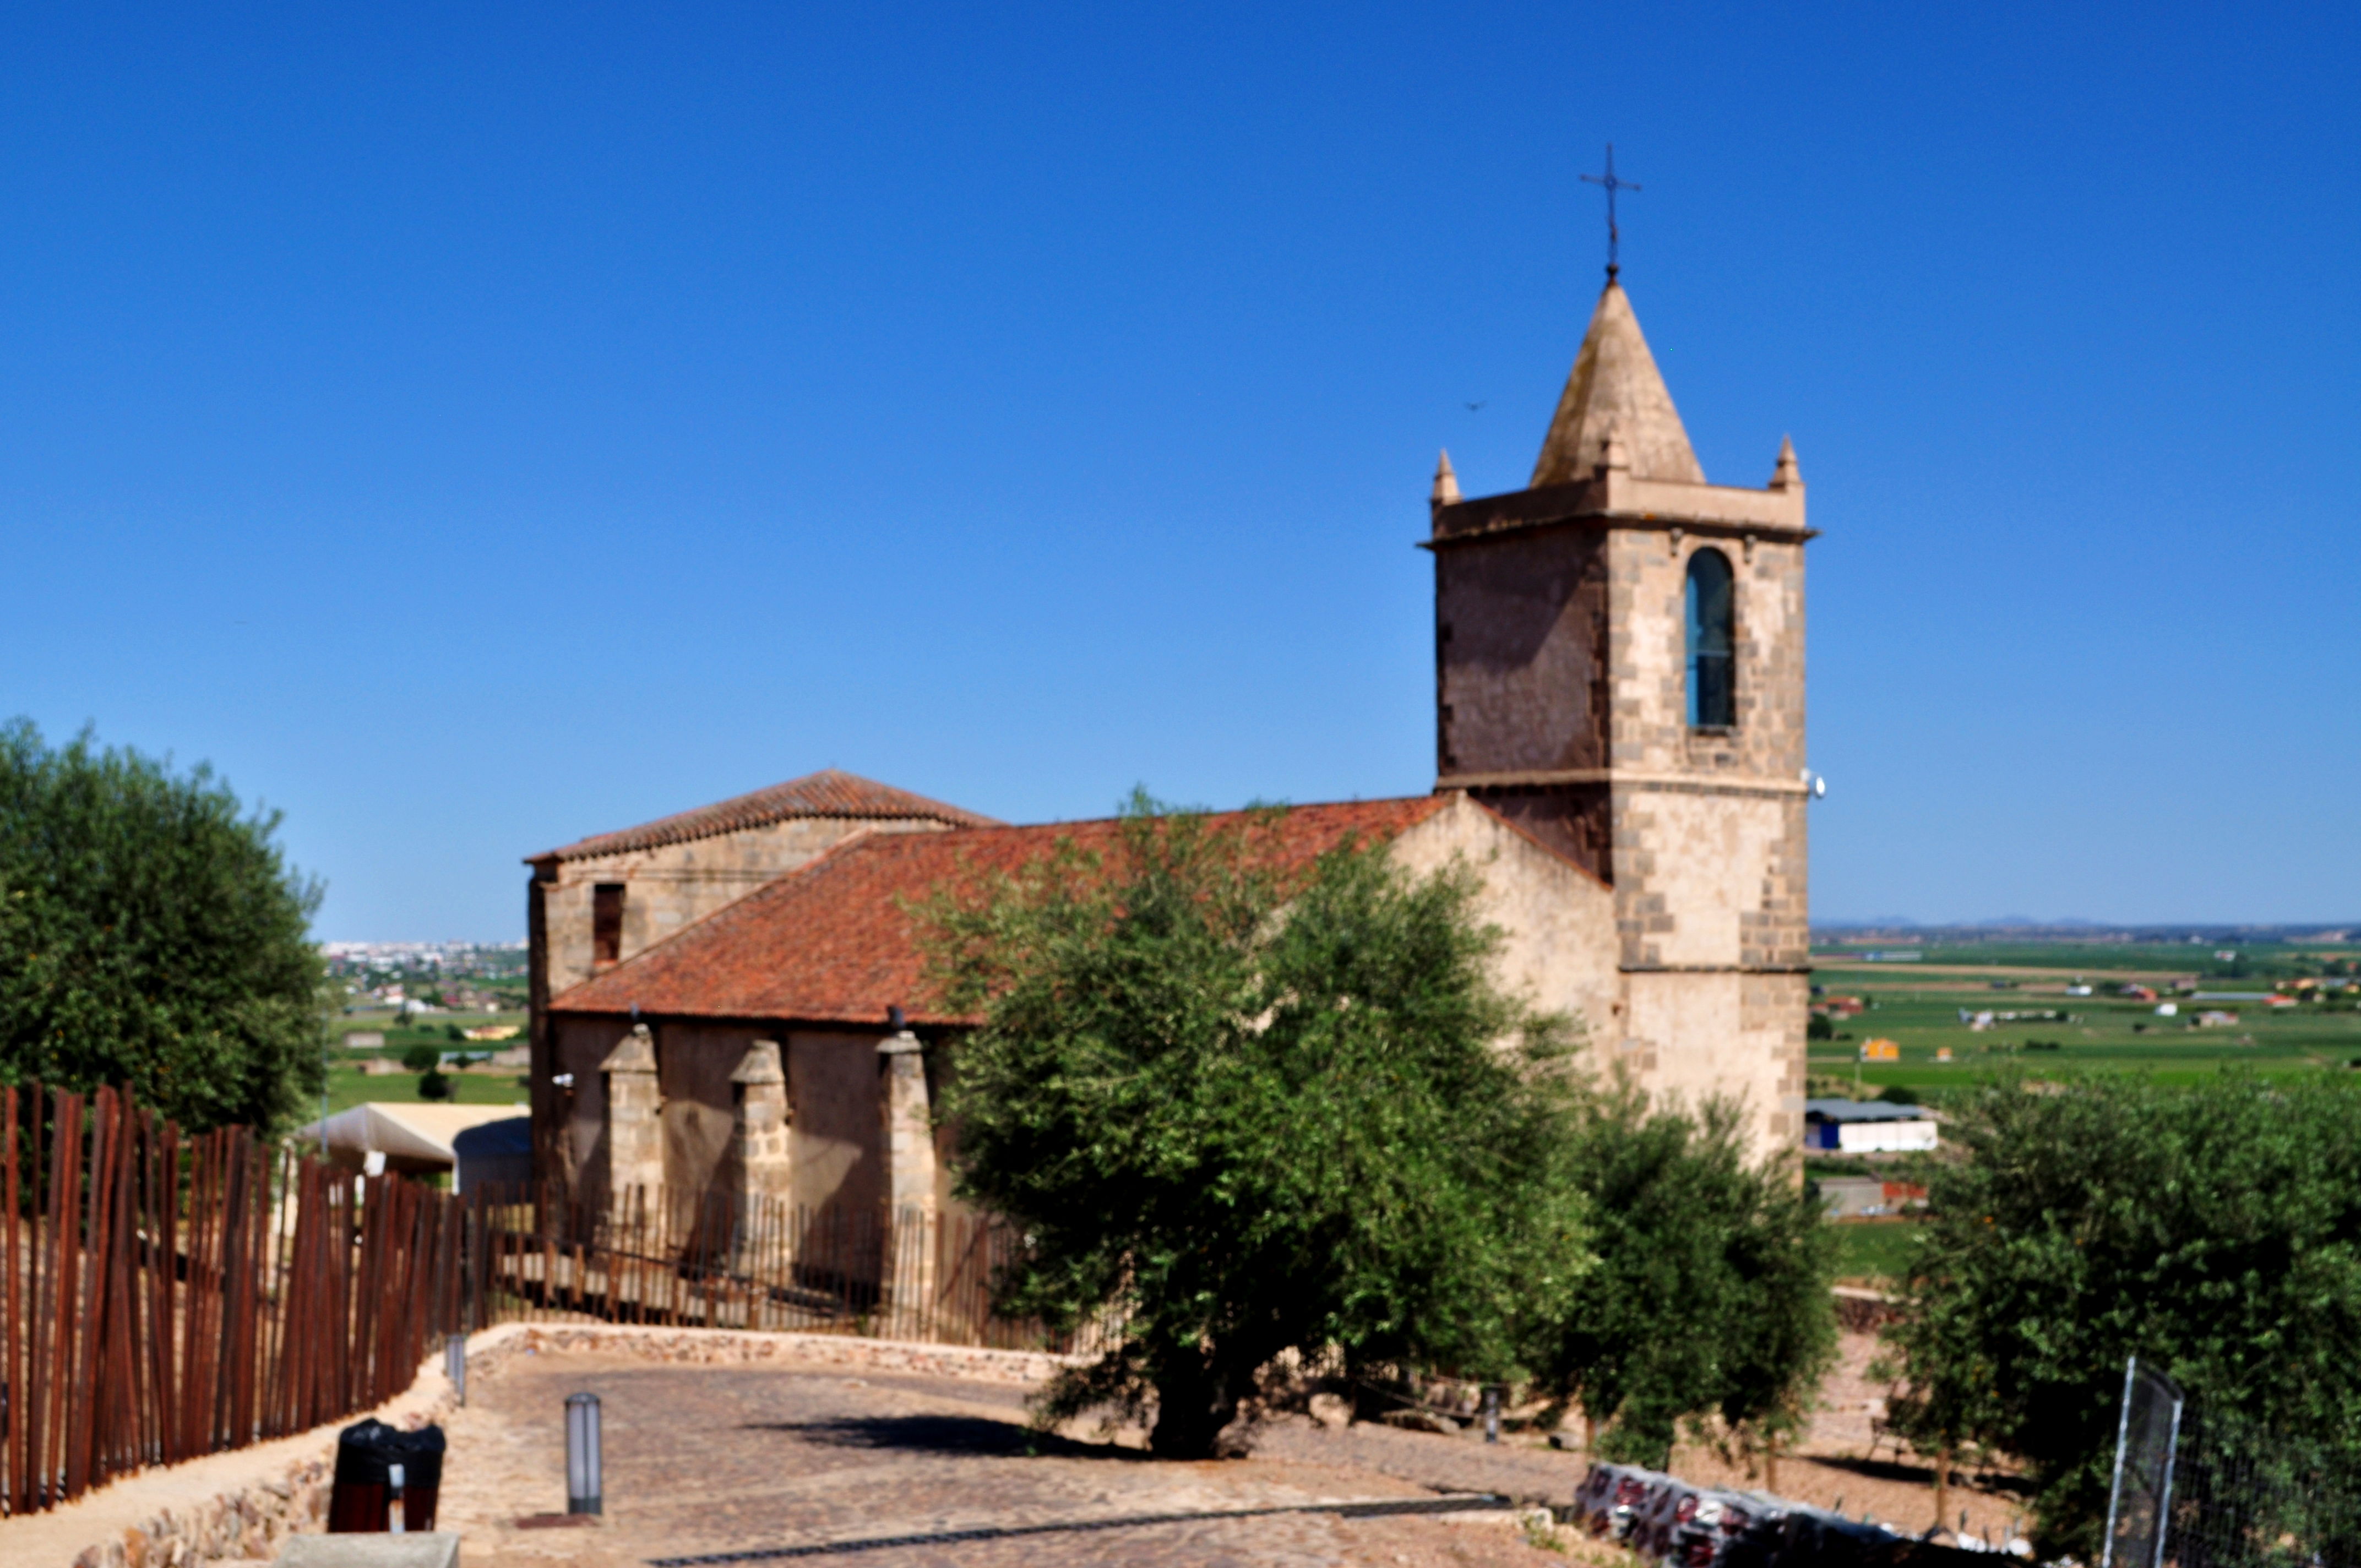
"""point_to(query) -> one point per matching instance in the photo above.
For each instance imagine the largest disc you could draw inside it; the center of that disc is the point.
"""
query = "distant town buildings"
(476, 958)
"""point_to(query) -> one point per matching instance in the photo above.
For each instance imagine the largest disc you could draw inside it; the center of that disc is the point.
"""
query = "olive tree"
(1241, 1106)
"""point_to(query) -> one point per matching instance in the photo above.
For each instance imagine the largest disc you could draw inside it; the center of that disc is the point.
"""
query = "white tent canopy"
(410, 1137)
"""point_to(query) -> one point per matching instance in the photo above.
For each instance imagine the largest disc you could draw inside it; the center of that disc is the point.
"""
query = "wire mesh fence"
(2200, 1487)
(2248, 1495)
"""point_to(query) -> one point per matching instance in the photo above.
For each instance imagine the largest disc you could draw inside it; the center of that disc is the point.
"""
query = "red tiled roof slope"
(828, 793)
(829, 942)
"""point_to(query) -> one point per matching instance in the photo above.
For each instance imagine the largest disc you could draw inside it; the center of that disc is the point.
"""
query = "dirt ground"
(1843, 1464)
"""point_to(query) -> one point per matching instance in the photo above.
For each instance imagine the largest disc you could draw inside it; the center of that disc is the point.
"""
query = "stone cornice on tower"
(1615, 497)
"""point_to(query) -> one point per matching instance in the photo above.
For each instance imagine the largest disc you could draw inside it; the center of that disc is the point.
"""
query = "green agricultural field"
(347, 1087)
(433, 1029)
(1873, 1251)
(2268, 960)
(1918, 1006)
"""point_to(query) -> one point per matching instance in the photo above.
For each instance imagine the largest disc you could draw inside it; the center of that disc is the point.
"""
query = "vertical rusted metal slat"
(83, 1406)
(114, 1395)
(66, 1215)
(254, 1225)
(145, 1289)
(167, 1247)
(36, 1368)
(82, 1403)
(194, 1395)
(12, 1323)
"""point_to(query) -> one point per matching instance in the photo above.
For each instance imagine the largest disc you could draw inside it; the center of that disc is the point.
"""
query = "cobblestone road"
(735, 1459)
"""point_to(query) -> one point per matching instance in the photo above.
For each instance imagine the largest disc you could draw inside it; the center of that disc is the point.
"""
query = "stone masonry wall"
(1559, 953)
(1648, 655)
(1711, 837)
(1519, 626)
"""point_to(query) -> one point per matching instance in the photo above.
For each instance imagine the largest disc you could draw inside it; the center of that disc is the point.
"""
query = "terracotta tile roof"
(829, 942)
(828, 792)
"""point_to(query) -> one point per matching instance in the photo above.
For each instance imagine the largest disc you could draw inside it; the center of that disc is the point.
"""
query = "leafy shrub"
(1710, 1294)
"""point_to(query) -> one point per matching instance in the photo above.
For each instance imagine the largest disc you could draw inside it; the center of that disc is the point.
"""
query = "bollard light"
(582, 1454)
(454, 1366)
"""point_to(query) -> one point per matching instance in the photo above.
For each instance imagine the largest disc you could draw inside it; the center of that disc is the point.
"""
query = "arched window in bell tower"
(1712, 643)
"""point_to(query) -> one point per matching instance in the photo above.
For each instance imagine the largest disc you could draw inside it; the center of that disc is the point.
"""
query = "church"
(735, 998)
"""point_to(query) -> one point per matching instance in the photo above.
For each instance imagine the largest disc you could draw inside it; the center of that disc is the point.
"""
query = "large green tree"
(152, 934)
(1243, 1109)
(2214, 1230)
(1710, 1294)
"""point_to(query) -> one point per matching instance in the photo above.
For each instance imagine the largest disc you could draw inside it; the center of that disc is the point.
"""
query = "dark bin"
(1811, 1538)
(367, 1452)
(1931, 1554)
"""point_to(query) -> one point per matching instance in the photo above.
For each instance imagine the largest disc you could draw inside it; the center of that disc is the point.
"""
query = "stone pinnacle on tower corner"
(1447, 484)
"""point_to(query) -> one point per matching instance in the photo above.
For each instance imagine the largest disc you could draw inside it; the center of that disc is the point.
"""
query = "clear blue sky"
(472, 428)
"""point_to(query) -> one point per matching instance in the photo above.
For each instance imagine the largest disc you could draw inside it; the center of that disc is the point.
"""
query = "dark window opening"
(1713, 687)
(605, 922)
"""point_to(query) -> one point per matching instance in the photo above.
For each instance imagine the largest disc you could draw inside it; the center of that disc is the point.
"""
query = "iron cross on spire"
(1612, 185)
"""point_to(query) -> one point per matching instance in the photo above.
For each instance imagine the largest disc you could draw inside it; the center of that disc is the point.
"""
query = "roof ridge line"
(716, 817)
(864, 834)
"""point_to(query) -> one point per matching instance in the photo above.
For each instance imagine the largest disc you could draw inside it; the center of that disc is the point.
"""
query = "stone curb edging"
(279, 1489)
(740, 1346)
(257, 1496)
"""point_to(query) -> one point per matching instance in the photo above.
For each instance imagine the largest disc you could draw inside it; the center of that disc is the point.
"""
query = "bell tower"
(1619, 671)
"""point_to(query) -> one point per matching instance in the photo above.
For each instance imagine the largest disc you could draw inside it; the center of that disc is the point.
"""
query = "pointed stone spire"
(1786, 475)
(1615, 381)
(1446, 485)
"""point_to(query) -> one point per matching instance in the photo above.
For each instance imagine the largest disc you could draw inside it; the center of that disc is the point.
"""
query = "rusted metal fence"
(647, 1255)
(163, 1295)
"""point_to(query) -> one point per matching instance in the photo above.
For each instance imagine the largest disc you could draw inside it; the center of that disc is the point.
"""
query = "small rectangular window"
(605, 922)
(1712, 643)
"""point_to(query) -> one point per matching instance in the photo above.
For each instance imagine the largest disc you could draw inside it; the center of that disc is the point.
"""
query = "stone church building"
(734, 997)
